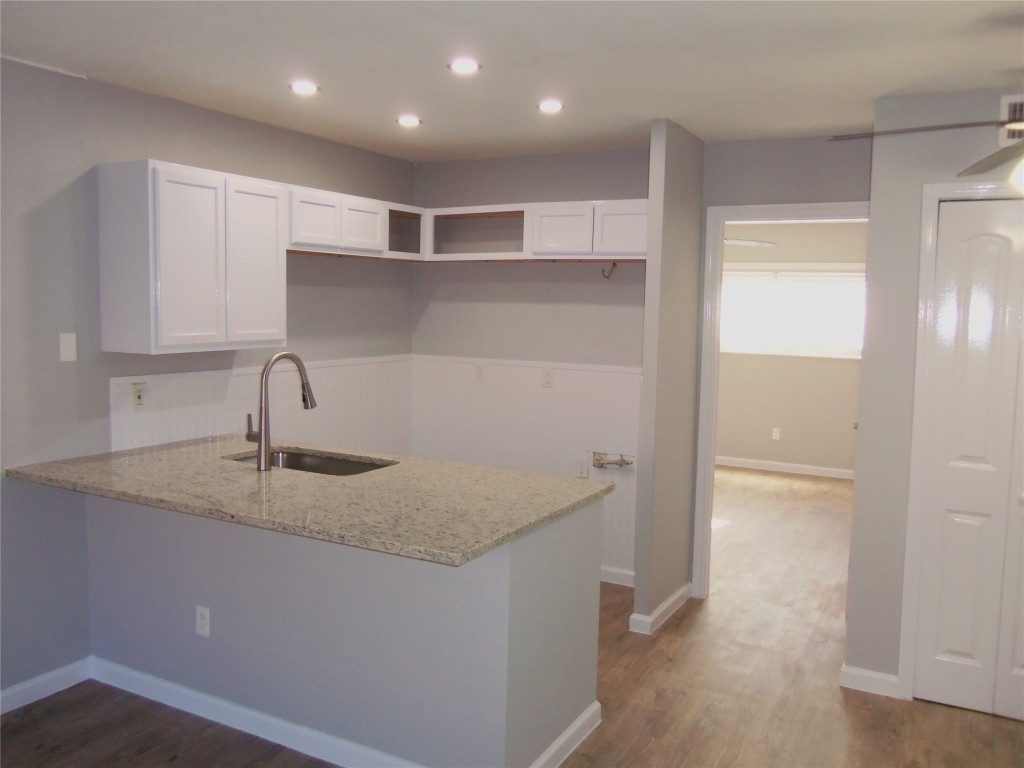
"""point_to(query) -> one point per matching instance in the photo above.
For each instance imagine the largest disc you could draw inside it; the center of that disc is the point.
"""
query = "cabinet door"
(620, 228)
(256, 244)
(563, 228)
(363, 223)
(189, 256)
(316, 218)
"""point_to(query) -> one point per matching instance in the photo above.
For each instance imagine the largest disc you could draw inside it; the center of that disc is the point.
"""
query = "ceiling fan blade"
(752, 243)
(923, 129)
(1004, 155)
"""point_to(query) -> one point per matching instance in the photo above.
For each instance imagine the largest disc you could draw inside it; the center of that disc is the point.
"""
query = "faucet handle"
(250, 434)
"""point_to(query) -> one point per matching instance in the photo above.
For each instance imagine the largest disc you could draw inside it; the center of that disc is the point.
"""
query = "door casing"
(714, 250)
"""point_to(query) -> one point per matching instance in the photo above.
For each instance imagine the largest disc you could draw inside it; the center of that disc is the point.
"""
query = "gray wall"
(778, 171)
(900, 166)
(671, 346)
(617, 175)
(552, 312)
(55, 129)
(813, 401)
(542, 311)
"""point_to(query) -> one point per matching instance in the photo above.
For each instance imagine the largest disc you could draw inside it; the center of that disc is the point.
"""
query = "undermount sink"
(323, 465)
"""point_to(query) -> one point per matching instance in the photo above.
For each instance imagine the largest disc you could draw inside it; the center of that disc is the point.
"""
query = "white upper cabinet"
(364, 223)
(188, 255)
(315, 218)
(257, 238)
(620, 227)
(190, 260)
(332, 222)
(563, 228)
(615, 228)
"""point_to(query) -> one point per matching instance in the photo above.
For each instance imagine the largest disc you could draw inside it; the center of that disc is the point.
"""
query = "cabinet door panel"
(316, 218)
(363, 223)
(189, 250)
(256, 242)
(563, 228)
(620, 228)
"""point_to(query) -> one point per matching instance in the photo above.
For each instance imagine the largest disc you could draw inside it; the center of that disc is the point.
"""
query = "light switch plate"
(68, 347)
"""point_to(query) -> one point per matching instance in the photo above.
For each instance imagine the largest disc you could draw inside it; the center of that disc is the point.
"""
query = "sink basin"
(323, 465)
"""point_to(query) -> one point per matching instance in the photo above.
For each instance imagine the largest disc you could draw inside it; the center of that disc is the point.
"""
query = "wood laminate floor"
(749, 677)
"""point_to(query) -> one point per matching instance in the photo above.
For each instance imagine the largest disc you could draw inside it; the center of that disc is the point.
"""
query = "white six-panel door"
(969, 622)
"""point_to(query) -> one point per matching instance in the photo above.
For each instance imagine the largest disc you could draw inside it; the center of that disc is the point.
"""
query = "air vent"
(1011, 108)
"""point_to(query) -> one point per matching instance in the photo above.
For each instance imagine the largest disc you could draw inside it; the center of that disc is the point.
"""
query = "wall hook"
(608, 275)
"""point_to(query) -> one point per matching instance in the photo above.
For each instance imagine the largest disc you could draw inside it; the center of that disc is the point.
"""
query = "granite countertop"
(437, 511)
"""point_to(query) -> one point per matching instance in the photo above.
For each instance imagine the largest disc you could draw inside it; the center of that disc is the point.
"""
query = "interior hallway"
(750, 677)
(746, 678)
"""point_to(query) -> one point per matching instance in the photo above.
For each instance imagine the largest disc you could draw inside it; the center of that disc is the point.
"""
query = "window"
(783, 312)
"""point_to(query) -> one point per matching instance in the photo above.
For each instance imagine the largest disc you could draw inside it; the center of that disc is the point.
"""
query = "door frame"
(714, 235)
(932, 196)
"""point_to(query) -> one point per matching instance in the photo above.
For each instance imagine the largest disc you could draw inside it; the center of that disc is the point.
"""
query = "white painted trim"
(622, 576)
(256, 370)
(298, 737)
(871, 682)
(931, 196)
(39, 687)
(714, 246)
(648, 625)
(782, 466)
(633, 370)
(570, 738)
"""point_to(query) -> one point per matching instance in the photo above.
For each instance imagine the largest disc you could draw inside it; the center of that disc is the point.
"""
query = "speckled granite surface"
(430, 510)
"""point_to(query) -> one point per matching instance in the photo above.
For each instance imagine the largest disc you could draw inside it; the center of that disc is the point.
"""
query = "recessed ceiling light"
(464, 65)
(550, 106)
(408, 121)
(304, 87)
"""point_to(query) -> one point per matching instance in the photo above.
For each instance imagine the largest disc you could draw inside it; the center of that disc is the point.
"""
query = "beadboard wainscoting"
(362, 404)
(476, 411)
(539, 417)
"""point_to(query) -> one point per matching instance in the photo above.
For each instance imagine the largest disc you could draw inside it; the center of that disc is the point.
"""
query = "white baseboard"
(869, 681)
(44, 685)
(622, 576)
(648, 625)
(570, 738)
(298, 737)
(782, 466)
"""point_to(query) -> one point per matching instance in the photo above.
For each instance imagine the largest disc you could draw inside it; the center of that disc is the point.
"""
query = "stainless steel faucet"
(263, 434)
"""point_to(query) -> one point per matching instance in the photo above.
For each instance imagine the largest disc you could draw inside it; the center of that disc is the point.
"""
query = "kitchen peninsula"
(422, 613)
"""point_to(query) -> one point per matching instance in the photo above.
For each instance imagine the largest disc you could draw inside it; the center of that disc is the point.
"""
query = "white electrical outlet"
(202, 620)
(549, 378)
(582, 469)
(479, 373)
(776, 433)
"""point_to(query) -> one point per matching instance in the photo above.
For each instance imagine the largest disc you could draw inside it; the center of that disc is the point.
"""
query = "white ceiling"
(723, 70)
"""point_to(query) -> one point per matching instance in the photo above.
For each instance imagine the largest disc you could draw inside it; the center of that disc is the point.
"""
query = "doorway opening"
(768, 257)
